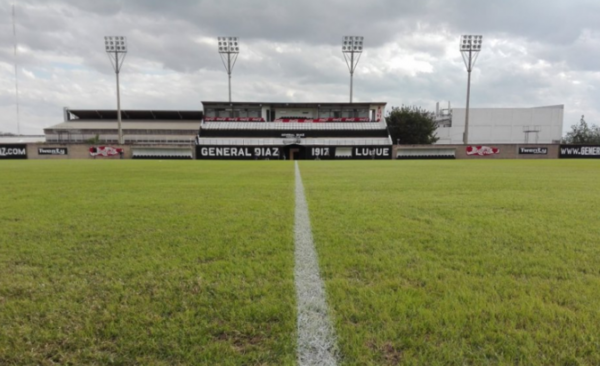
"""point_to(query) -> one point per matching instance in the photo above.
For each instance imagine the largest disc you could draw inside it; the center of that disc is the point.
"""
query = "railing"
(308, 142)
(113, 139)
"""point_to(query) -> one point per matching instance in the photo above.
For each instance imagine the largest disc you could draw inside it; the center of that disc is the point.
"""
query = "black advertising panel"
(372, 152)
(533, 150)
(346, 152)
(13, 151)
(219, 152)
(238, 152)
(53, 151)
(320, 152)
(579, 152)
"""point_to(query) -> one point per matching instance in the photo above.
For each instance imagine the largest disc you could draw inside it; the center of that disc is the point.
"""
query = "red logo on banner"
(300, 120)
(482, 150)
(320, 120)
(233, 119)
(104, 151)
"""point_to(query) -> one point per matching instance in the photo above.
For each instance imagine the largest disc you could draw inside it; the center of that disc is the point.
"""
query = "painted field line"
(316, 338)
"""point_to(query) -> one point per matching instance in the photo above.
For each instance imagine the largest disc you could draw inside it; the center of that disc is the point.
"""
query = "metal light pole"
(470, 46)
(229, 46)
(350, 46)
(116, 49)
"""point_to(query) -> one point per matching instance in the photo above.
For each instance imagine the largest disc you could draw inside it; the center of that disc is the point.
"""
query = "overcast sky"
(535, 53)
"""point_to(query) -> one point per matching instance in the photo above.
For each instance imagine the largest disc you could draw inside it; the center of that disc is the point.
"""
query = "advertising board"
(105, 151)
(533, 150)
(238, 152)
(482, 150)
(53, 151)
(353, 152)
(13, 151)
(372, 152)
(579, 152)
(281, 152)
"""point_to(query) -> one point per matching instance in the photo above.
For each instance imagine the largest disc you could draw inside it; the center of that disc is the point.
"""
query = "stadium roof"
(137, 125)
(22, 139)
(148, 115)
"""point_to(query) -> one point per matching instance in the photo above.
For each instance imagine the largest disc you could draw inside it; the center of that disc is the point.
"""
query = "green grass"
(460, 262)
(191, 263)
(146, 263)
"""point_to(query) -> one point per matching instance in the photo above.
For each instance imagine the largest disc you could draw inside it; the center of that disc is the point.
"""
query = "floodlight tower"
(352, 45)
(116, 49)
(470, 46)
(229, 46)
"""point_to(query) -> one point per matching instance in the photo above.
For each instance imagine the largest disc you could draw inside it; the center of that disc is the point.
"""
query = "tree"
(411, 125)
(94, 140)
(583, 134)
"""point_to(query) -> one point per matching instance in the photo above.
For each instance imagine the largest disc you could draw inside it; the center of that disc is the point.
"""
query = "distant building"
(543, 125)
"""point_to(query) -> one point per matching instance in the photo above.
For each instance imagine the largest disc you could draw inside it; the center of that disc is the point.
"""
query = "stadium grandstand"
(145, 127)
(244, 130)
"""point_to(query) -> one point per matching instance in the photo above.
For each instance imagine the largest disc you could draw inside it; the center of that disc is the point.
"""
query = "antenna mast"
(16, 71)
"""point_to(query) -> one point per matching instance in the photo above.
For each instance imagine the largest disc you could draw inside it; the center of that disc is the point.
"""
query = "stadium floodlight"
(229, 46)
(352, 45)
(470, 45)
(116, 49)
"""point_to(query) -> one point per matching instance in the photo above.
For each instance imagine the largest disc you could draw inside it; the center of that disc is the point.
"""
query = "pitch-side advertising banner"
(579, 152)
(13, 151)
(53, 151)
(276, 152)
(104, 151)
(357, 152)
(533, 151)
(372, 152)
(482, 150)
(238, 152)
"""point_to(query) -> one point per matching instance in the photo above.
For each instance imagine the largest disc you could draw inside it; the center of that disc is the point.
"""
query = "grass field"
(460, 262)
(146, 263)
(192, 263)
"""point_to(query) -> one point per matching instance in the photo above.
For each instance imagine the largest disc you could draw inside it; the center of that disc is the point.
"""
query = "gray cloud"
(533, 55)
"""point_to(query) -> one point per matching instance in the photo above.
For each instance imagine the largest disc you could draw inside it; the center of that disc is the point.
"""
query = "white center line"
(316, 338)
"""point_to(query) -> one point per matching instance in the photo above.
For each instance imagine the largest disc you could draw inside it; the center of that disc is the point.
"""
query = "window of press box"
(355, 113)
(330, 113)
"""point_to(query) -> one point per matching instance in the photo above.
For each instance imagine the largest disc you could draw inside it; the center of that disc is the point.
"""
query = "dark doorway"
(294, 152)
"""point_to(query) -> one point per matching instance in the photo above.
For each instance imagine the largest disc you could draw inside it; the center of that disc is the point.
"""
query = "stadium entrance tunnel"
(294, 152)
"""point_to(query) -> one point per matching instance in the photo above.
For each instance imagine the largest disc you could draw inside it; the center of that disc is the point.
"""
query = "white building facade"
(542, 125)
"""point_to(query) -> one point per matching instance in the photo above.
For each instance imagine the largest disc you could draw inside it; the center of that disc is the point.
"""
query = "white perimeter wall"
(504, 125)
